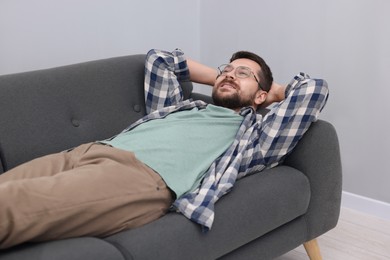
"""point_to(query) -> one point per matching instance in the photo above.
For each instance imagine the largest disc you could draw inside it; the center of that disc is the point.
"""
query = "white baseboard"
(366, 205)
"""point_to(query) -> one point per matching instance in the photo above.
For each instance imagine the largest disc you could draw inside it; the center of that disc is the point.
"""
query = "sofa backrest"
(51, 110)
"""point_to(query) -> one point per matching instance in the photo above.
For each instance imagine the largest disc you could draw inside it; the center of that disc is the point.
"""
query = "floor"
(357, 237)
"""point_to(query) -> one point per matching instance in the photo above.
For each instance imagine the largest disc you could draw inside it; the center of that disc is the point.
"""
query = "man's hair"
(265, 74)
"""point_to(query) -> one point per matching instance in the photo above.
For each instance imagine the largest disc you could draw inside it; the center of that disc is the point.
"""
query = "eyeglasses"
(241, 72)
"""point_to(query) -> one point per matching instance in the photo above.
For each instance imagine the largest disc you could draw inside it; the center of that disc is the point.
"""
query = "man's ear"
(260, 97)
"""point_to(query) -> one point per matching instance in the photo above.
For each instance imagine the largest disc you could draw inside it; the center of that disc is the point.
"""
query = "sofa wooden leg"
(313, 250)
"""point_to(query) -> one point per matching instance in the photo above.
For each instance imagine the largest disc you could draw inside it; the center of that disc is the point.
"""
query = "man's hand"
(275, 94)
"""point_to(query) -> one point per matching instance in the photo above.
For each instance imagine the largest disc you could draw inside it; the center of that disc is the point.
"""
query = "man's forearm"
(200, 73)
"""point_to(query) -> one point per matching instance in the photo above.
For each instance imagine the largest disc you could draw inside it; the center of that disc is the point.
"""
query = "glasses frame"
(223, 66)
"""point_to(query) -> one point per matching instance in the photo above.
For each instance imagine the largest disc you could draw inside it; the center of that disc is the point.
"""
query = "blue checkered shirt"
(260, 143)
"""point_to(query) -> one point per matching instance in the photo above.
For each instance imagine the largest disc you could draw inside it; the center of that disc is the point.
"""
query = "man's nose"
(231, 74)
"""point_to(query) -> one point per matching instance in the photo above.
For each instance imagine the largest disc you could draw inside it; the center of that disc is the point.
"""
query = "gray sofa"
(265, 215)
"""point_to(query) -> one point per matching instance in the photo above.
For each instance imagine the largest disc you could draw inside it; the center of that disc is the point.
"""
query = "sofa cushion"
(55, 109)
(258, 204)
(85, 248)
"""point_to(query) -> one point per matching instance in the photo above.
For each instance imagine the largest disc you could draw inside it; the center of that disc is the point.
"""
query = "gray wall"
(44, 33)
(343, 41)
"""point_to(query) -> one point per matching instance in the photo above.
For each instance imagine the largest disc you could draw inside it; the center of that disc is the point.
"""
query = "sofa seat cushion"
(85, 248)
(258, 204)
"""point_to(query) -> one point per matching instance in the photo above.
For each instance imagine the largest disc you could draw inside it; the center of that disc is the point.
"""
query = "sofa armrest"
(317, 155)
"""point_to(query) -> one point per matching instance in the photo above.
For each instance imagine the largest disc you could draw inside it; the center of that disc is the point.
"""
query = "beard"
(232, 101)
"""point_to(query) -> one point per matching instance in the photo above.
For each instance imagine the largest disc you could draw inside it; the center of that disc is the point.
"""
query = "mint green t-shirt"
(183, 145)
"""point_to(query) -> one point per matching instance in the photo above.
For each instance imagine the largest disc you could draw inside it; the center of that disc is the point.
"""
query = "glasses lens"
(243, 72)
(226, 68)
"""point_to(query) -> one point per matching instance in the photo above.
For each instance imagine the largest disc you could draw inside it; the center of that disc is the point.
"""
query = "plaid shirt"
(260, 143)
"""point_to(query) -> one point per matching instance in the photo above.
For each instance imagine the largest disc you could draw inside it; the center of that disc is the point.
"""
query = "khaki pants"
(93, 190)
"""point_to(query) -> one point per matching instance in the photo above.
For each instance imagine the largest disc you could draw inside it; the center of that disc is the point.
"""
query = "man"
(182, 154)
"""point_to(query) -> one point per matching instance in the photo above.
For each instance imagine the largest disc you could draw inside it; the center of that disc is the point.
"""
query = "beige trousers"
(93, 190)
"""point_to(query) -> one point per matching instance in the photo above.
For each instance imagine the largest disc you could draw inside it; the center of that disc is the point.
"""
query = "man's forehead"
(246, 63)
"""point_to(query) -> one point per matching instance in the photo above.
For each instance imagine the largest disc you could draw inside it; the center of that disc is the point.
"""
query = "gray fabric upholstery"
(86, 248)
(318, 157)
(264, 216)
(52, 110)
(235, 225)
(272, 244)
(55, 109)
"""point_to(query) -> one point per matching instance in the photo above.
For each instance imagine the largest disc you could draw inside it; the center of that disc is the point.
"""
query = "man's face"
(234, 92)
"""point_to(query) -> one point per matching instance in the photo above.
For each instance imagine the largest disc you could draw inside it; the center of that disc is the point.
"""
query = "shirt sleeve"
(163, 71)
(288, 120)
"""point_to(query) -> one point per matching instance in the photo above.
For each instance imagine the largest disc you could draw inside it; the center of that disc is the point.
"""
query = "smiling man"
(244, 67)
(183, 154)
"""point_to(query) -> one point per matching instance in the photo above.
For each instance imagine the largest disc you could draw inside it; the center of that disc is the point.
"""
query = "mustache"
(226, 80)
